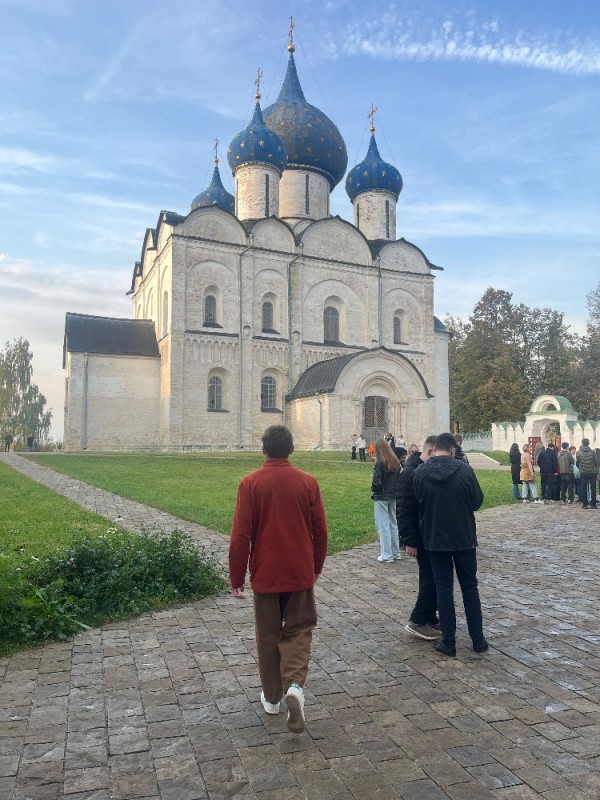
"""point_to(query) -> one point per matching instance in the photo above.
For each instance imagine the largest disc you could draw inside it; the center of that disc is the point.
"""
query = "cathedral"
(262, 308)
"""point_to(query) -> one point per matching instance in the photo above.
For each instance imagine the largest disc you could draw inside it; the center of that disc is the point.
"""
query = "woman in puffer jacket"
(384, 488)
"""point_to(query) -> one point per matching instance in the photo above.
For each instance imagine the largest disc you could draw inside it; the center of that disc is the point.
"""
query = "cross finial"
(259, 74)
(291, 46)
(371, 116)
(216, 157)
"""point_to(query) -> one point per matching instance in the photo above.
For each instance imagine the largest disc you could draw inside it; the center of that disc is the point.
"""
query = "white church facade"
(263, 308)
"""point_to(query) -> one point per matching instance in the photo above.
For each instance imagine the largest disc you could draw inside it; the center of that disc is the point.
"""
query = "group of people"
(427, 505)
(358, 445)
(9, 440)
(562, 475)
(279, 534)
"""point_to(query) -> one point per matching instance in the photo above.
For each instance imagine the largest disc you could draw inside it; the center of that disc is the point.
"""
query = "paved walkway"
(166, 705)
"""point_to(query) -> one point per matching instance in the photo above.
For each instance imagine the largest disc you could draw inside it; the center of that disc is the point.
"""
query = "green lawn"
(35, 520)
(202, 487)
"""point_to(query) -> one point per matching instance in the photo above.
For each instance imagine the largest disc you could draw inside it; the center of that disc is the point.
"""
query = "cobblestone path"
(166, 705)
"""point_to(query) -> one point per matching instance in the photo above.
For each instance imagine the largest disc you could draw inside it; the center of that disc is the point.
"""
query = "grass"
(202, 487)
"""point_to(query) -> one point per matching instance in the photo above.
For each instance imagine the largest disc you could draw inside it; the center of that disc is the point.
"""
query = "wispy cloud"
(391, 36)
(16, 159)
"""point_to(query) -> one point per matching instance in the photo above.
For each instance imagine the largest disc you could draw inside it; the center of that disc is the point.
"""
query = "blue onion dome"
(216, 194)
(256, 144)
(312, 140)
(373, 174)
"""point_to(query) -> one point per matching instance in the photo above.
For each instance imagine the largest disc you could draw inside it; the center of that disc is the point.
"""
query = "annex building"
(263, 308)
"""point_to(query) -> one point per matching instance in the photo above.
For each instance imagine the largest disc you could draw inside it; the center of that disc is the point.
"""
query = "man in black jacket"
(547, 461)
(423, 619)
(448, 493)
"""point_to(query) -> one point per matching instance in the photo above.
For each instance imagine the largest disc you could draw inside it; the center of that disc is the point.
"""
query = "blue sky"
(109, 111)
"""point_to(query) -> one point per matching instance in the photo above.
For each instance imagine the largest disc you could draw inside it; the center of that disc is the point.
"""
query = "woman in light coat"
(527, 475)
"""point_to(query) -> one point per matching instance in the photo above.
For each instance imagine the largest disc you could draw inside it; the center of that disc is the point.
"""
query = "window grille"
(331, 324)
(267, 316)
(210, 309)
(215, 394)
(268, 393)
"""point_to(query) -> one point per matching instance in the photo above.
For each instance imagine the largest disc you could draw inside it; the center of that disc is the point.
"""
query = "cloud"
(394, 37)
(14, 160)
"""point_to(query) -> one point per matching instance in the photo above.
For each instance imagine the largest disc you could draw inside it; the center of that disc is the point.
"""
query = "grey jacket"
(586, 460)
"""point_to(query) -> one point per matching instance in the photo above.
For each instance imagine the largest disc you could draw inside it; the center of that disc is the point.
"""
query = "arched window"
(400, 334)
(165, 314)
(306, 194)
(358, 216)
(267, 187)
(210, 310)
(267, 316)
(268, 393)
(331, 324)
(215, 394)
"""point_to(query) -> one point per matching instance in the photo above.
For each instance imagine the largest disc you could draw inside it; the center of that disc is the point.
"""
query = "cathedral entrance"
(375, 418)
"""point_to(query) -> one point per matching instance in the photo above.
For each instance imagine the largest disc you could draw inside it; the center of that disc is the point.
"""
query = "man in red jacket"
(280, 531)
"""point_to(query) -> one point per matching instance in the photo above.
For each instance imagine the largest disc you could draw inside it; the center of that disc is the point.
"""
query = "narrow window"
(358, 216)
(268, 393)
(267, 316)
(266, 195)
(397, 330)
(331, 325)
(387, 219)
(210, 309)
(215, 394)
(306, 194)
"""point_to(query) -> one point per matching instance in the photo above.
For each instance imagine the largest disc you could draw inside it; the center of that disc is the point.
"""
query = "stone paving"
(166, 705)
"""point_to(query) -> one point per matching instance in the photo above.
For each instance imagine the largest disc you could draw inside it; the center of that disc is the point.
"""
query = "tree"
(589, 369)
(506, 355)
(22, 406)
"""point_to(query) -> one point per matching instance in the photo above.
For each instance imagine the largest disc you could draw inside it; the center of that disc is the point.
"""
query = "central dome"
(311, 139)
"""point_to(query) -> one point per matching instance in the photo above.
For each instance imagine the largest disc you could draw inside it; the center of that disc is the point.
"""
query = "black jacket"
(515, 466)
(385, 484)
(448, 493)
(407, 508)
(460, 454)
(547, 461)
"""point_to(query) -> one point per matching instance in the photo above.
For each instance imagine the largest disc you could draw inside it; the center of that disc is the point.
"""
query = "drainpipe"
(240, 320)
(379, 303)
(289, 303)
(84, 404)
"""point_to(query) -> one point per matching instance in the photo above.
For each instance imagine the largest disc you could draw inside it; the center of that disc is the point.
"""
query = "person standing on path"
(8, 440)
(423, 622)
(362, 447)
(514, 457)
(567, 479)
(448, 494)
(548, 464)
(384, 489)
(280, 532)
(527, 475)
(588, 468)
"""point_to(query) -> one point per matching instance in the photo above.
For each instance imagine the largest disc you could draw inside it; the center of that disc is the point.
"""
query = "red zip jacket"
(280, 526)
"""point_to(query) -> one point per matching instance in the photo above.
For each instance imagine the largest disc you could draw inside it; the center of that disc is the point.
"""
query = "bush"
(100, 578)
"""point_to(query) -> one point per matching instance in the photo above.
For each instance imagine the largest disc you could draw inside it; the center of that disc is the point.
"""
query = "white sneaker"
(525, 501)
(398, 557)
(270, 708)
(383, 560)
(539, 501)
(294, 697)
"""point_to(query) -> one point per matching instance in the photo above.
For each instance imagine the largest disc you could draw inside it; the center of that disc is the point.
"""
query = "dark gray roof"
(85, 333)
(438, 325)
(322, 377)
(377, 245)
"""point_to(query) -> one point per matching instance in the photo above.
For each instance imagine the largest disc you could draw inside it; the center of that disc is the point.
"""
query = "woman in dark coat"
(514, 455)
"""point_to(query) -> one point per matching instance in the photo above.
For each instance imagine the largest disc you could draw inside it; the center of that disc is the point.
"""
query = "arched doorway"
(375, 417)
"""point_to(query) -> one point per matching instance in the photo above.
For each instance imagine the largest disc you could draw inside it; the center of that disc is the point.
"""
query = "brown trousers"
(284, 624)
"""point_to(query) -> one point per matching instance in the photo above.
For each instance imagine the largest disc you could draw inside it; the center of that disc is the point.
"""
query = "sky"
(109, 111)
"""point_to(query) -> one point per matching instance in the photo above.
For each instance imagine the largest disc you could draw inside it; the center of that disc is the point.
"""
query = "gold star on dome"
(242, 144)
(383, 173)
(261, 143)
(366, 173)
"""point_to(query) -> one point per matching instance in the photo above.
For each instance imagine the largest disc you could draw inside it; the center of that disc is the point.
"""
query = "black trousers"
(425, 610)
(443, 565)
(547, 481)
(567, 486)
(353, 456)
(362, 453)
(588, 479)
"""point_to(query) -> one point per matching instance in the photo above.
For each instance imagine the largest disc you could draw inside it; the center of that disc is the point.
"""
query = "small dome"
(257, 144)
(373, 174)
(215, 195)
(311, 139)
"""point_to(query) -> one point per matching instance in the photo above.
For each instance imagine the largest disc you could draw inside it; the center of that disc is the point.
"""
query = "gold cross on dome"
(291, 33)
(216, 156)
(257, 80)
(371, 116)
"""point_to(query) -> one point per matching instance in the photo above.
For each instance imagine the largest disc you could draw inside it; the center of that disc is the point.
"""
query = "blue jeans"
(443, 565)
(387, 528)
(516, 494)
(530, 486)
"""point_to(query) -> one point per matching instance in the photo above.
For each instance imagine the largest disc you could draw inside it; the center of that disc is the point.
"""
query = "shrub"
(99, 578)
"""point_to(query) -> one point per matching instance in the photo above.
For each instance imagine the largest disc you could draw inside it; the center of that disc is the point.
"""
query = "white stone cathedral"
(264, 309)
